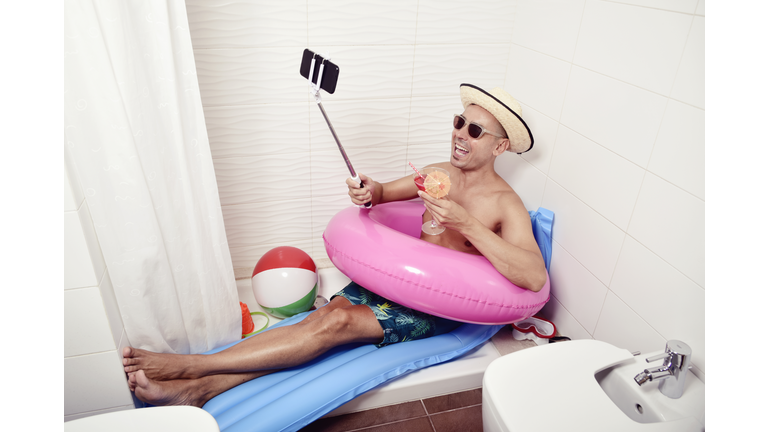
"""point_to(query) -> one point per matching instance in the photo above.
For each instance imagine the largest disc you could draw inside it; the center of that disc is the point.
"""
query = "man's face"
(470, 152)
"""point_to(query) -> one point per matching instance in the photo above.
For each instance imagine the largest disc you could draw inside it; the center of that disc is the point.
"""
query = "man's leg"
(194, 392)
(336, 324)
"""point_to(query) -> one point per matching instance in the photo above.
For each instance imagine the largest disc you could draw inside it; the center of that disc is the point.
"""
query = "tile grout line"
(429, 416)
(387, 423)
(449, 411)
(455, 409)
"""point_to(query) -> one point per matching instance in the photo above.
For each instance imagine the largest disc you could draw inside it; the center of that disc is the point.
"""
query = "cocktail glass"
(437, 189)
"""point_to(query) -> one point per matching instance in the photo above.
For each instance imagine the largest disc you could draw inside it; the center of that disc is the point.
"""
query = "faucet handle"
(657, 357)
(674, 348)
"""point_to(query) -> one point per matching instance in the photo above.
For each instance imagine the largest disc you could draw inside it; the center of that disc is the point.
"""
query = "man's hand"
(361, 195)
(446, 212)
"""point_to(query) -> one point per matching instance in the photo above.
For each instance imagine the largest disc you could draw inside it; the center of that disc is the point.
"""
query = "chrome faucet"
(672, 372)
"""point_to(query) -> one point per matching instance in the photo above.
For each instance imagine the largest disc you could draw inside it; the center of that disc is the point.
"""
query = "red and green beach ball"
(284, 281)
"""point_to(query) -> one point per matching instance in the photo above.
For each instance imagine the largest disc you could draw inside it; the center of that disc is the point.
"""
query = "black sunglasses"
(475, 130)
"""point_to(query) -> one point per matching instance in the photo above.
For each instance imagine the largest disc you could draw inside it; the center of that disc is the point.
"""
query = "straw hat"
(506, 110)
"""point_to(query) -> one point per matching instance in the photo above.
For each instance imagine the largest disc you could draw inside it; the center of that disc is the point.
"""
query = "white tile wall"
(257, 130)
(526, 179)
(438, 70)
(638, 45)
(241, 24)
(366, 23)
(428, 118)
(676, 234)
(617, 115)
(81, 268)
(265, 178)
(543, 140)
(94, 381)
(538, 80)
(612, 90)
(588, 236)
(564, 321)
(603, 180)
(549, 26)
(86, 327)
(373, 123)
(684, 6)
(323, 209)
(271, 222)
(453, 22)
(578, 290)
(678, 154)
(253, 76)
(365, 72)
(621, 326)
(689, 83)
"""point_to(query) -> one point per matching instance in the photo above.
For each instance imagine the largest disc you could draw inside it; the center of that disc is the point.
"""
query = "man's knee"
(337, 302)
(356, 321)
(344, 317)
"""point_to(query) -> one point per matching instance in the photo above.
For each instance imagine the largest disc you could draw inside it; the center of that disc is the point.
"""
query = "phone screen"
(330, 71)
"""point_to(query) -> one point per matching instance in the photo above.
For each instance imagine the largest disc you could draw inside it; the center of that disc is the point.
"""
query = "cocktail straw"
(417, 171)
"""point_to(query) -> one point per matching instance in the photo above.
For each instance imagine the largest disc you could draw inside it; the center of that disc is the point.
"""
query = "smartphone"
(330, 71)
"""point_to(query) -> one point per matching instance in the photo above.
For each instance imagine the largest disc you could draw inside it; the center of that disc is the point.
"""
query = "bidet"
(672, 372)
(590, 385)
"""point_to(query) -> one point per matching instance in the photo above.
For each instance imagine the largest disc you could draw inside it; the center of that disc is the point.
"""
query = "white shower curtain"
(135, 130)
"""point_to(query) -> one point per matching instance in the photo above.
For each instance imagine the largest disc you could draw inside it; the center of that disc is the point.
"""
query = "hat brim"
(518, 132)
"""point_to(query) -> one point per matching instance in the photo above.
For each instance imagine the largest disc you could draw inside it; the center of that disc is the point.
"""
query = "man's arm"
(515, 254)
(377, 193)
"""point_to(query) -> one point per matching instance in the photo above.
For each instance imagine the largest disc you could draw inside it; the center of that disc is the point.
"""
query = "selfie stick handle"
(343, 153)
(316, 91)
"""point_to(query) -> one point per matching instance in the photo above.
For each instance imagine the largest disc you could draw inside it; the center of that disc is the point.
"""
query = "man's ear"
(501, 146)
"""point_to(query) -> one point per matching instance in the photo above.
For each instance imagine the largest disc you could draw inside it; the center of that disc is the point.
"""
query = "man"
(483, 215)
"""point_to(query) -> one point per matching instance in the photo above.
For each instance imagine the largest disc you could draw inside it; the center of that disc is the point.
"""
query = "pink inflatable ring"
(380, 249)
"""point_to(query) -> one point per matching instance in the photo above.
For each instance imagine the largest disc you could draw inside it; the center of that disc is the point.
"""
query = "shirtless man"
(483, 215)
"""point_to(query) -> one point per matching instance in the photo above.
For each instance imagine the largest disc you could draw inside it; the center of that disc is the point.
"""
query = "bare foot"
(159, 367)
(162, 393)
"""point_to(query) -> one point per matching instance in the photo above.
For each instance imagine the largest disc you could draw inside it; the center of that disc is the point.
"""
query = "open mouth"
(459, 151)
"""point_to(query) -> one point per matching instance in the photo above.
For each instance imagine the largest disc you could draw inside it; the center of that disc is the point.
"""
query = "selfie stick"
(315, 90)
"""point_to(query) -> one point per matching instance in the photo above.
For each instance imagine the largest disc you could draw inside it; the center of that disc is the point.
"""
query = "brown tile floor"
(458, 412)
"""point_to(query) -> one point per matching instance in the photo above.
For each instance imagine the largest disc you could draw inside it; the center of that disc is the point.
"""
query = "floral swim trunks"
(400, 323)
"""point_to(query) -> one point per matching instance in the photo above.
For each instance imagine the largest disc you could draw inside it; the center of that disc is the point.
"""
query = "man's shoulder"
(504, 191)
(510, 202)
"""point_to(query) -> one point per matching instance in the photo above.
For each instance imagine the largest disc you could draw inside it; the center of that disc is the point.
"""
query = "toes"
(127, 352)
(132, 381)
(141, 379)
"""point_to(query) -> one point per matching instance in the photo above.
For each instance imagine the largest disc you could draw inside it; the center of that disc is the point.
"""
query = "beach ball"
(284, 281)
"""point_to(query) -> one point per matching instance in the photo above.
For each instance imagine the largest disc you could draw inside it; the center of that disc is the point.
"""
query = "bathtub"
(465, 373)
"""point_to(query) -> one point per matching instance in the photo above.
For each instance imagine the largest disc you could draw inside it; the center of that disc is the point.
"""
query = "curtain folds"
(135, 130)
